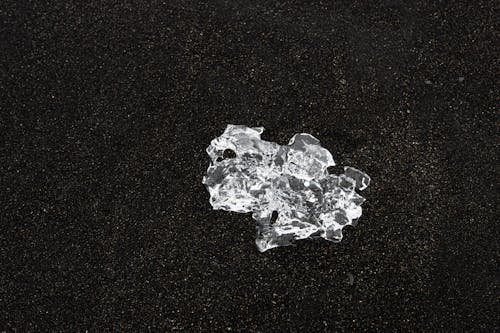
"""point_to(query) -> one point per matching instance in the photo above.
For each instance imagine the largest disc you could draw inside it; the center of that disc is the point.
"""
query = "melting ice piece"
(288, 182)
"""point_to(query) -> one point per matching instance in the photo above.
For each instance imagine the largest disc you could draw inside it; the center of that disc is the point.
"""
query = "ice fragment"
(287, 189)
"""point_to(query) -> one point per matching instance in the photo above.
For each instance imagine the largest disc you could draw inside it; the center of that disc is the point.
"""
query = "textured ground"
(106, 109)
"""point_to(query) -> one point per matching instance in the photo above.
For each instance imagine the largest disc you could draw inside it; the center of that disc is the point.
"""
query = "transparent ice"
(287, 189)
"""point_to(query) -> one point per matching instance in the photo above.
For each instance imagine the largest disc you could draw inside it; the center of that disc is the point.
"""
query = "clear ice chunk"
(287, 188)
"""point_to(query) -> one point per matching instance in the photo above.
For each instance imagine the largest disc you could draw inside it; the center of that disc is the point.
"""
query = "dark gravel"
(106, 108)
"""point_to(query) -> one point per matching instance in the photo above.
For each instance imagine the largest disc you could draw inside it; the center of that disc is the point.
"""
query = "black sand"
(106, 110)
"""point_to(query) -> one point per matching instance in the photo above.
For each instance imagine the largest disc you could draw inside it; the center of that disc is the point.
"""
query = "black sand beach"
(107, 108)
